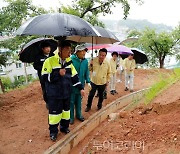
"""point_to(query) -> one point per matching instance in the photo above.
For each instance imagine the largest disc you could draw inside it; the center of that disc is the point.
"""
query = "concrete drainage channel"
(69, 141)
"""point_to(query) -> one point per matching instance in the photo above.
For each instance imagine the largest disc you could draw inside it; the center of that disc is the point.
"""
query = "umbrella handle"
(92, 52)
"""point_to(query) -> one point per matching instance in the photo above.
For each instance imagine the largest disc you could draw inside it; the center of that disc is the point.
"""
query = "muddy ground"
(24, 118)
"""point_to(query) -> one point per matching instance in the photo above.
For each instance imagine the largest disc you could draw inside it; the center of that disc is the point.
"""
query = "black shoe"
(126, 89)
(87, 109)
(99, 108)
(71, 122)
(115, 92)
(105, 97)
(112, 92)
(81, 119)
(105, 94)
(131, 91)
(53, 137)
(65, 130)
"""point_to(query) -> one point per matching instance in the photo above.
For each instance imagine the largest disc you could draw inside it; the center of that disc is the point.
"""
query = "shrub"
(18, 81)
(7, 83)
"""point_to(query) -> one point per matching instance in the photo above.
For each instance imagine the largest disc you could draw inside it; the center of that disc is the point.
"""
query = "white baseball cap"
(80, 48)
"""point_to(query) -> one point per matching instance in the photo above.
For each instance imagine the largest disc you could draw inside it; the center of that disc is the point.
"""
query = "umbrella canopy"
(107, 34)
(57, 24)
(106, 37)
(120, 49)
(30, 51)
(139, 56)
(98, 46)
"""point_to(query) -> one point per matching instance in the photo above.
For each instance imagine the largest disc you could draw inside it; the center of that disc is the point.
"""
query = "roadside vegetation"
(17, 83)
(165, 81)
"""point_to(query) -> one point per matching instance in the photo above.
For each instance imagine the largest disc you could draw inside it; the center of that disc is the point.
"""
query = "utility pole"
(25, 71)
(1, 87)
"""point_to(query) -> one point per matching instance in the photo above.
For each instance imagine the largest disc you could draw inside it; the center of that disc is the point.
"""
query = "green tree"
(16, 43)
(17, 11)
(90, 9)
(156, 45)
(3, 59)
(176, 37)
(12, 16)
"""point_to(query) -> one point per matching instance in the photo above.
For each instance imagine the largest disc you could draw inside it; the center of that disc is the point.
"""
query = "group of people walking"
(127, 66)
(63, 78)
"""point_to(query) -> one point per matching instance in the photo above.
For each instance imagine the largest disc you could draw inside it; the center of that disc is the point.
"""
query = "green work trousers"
(75, 103)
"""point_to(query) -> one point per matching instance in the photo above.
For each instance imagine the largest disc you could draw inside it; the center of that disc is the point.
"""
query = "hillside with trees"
(135, 24)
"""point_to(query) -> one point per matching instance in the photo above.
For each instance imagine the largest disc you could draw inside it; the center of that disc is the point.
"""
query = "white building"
(17, 69)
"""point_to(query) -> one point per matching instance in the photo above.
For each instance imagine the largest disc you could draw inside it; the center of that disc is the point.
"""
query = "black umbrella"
(105, 37)
(57, 24)
(33, 48)
(106, 34)
(139, 56)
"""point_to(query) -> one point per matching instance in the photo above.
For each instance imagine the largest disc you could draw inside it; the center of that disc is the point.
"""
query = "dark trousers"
(43, 88)
(100, 89)
(59, 114)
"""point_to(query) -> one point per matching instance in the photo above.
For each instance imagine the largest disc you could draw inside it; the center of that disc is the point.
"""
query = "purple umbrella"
(120, 49)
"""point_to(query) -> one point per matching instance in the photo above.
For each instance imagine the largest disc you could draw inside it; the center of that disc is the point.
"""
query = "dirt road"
(23, 115)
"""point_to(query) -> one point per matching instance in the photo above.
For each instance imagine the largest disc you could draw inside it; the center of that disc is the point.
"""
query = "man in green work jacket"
(60, 75)
(81, 65)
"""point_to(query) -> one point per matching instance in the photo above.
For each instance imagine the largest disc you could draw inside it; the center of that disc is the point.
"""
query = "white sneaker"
(119, 81)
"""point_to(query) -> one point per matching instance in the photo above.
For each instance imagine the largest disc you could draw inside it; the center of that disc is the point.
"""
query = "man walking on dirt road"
(100, 77)
(129, 66)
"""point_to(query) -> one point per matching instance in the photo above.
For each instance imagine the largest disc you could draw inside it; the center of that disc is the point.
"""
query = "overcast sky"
(155, 11)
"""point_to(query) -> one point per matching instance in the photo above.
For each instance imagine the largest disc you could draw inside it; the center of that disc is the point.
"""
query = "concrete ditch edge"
(70, 140)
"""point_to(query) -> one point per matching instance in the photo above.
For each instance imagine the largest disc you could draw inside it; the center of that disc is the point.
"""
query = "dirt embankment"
(152, 129)
(24, 117)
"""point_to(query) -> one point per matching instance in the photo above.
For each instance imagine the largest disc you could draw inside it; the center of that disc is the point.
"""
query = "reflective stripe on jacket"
(58, 86)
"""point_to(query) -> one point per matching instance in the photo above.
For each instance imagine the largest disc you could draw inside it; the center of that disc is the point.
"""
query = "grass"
(135, 101)
(22, 86)
(165, 80)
